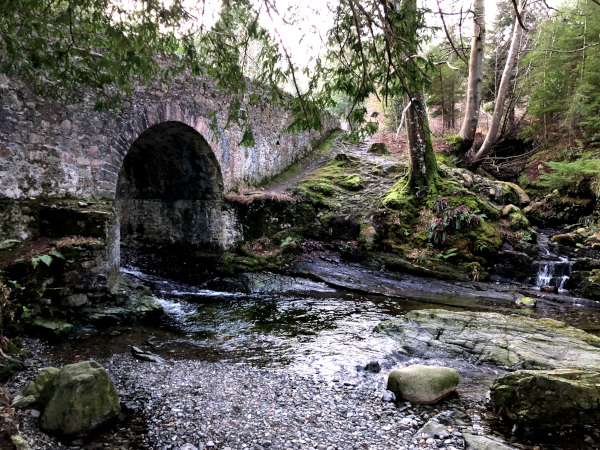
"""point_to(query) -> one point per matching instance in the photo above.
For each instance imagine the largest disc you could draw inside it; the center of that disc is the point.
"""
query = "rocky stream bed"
(281, 364)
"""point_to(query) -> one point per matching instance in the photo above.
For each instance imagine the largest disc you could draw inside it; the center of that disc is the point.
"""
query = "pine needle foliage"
(567, 176)
(108, 46)
(565, 92)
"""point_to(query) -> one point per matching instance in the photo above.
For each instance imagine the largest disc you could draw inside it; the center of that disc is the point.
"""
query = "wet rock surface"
(225, 405)
(508, 341)
(548, 398)
(275, 371)
(133, 303)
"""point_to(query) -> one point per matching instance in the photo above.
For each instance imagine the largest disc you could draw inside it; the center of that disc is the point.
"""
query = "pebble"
(388, 396)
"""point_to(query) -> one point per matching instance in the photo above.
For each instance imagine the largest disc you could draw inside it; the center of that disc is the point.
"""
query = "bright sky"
(311, 20)
(305, 39)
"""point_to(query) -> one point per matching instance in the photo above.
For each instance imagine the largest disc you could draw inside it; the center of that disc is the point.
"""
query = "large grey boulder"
(476, 442)
(515, 342)
(423, 384)
(83, 399)
(548, 398)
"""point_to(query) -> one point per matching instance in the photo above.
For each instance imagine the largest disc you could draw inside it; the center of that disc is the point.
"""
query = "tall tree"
(375, 48)
(447, 87)
(565, 91)
(475, 83)
(511, 59)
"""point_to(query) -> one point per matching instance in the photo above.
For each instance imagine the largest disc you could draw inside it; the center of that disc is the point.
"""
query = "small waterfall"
(554, 273)
(553, 270)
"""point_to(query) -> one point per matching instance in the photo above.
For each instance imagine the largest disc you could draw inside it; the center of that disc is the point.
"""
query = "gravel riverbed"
(185, 404)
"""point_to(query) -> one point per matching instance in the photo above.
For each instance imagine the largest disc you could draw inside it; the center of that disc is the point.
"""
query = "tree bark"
(475, 83)
(424, 172)
(492, 135)
(443, 103)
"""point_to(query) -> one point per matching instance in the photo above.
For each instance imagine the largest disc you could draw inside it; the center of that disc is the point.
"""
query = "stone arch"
(168, 193)
(129, 131)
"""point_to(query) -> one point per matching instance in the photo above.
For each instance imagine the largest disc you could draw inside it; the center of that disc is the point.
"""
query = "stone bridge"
(154, 172)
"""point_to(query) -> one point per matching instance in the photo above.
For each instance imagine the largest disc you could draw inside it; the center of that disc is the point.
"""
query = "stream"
(553, 270)
(302, 349)
(306, 327)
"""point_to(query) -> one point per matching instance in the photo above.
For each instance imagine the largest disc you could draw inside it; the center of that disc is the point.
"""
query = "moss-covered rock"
(41, 389)
(521, 194)
(508, 210)
(527, 302)
(84, 398)
(567, 239)
(517, 221)
(351, 182)
(51, 328)
(486, 239)
(548, 398)
(133, 303)
(423, 384)
(19, 442)
(590, 286)
(538, 212)
(379, 148)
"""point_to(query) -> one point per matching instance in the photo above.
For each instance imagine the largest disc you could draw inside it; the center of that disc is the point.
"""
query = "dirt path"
(309, 165)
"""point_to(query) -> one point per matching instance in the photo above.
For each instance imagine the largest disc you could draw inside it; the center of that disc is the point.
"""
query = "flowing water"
(553, 269)
(308, 328)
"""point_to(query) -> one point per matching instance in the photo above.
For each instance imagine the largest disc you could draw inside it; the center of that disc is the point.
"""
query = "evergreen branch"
(362, 56)
(291, 66)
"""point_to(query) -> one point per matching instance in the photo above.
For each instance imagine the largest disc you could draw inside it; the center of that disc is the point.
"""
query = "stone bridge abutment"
(152, 174)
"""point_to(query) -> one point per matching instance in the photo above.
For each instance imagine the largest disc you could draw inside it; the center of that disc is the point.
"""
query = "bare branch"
(448, 34)
(550, 7)
(362, 56)
(403, 117)
(519, 18)
(448, 63)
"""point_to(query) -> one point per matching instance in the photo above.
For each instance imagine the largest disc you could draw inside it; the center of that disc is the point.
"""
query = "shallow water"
(310, 329)
(319, 329)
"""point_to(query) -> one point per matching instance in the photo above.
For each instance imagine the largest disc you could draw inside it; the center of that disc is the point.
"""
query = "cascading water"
(553, 270)
(554, 273)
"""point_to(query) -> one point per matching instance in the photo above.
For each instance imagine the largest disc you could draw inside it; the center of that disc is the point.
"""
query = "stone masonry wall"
(50, 151)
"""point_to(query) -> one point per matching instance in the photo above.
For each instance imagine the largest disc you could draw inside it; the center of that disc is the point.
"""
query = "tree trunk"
(492, 135)
(423, 165)
(443, 103)
(475, 83)
(423, 172)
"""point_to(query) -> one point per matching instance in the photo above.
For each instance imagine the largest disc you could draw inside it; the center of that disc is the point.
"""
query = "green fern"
(46, 259)
(569, 175)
